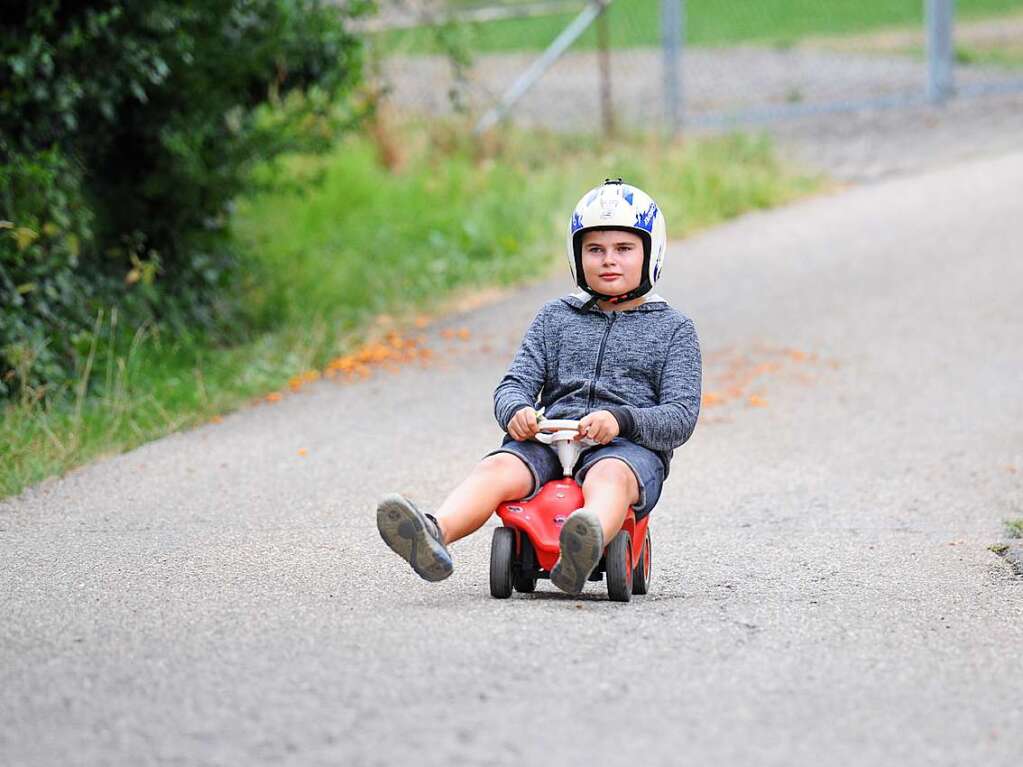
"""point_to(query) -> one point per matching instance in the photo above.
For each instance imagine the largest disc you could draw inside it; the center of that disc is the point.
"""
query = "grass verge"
(1007, 56)
(983, 42)
(708, 22)
(345, 241)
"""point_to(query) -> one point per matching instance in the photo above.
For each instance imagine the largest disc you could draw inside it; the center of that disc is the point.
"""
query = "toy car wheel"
(641, 575)
(526, 569)
(619, 568)
(502, 559)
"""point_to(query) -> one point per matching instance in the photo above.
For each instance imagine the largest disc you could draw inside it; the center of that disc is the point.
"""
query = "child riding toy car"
(527, 546)
(622, 360)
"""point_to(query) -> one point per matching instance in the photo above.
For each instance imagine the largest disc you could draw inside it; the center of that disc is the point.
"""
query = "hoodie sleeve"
(526, 376)
(670, 423)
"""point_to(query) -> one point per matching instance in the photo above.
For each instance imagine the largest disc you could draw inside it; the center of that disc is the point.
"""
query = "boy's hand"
(522, 426)
(600, 426)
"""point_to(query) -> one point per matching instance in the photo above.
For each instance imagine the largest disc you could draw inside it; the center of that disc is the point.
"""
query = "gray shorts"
(544, 465)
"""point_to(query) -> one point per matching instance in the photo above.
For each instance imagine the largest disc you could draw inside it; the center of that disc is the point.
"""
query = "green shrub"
(44, 306)
(126, 130)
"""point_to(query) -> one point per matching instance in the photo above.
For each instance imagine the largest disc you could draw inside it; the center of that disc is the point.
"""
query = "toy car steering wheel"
(552, 430)
(563, 436)
(547, 425)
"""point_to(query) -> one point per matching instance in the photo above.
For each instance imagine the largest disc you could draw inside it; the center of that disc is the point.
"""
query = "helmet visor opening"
(577, 239)
(577, 245)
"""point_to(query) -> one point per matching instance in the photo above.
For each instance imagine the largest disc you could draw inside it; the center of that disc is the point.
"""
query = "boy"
(622, 362)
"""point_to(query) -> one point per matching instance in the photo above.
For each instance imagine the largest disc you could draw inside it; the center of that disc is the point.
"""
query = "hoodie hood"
(652, 303)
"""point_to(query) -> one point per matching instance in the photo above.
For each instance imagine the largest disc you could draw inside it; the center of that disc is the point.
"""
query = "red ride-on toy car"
(527, 547)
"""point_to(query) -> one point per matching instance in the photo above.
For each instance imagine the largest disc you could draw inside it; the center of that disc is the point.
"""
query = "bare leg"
(495, 479)
(609, 489)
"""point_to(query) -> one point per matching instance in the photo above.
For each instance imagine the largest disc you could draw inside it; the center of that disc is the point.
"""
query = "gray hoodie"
(642, 364)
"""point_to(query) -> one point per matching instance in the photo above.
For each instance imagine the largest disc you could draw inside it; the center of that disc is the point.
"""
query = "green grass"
(157, 386)
(708, 22)
(359, 241)
(1014, 527)
(366, 240)
(1009, 57)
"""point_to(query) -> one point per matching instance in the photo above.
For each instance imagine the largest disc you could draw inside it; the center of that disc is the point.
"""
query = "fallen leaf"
(711, 398)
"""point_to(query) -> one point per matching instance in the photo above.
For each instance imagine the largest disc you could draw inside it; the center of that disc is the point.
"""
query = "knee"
(614, 473)
(507, 472)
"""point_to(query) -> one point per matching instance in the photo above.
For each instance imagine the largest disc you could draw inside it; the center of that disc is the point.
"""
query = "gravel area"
(862, 145)
(824, 591)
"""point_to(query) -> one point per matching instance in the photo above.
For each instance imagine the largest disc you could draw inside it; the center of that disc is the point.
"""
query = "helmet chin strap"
(643, 289)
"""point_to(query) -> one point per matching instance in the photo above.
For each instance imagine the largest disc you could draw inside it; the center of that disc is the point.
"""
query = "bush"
(126, 130)
(44, 305)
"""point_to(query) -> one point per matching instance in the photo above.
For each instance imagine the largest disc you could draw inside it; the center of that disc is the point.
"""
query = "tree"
(126, 130)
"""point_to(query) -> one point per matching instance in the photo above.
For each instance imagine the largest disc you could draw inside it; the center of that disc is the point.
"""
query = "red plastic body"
(542, 517)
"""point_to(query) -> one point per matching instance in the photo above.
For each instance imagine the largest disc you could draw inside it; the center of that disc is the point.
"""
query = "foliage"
(40, 298)
(126, 130)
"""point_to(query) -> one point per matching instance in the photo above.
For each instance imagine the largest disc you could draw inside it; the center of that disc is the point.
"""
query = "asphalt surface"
(823, 590)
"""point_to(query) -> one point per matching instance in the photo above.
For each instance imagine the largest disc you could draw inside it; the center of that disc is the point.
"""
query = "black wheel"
(526, 569)
(619, 568)
(502, 558)
(641, 575)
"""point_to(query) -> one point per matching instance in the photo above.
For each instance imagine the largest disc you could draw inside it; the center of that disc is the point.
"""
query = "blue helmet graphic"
(645, 218)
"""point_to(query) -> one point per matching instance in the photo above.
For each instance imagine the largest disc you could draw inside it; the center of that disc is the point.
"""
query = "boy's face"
(612, 261)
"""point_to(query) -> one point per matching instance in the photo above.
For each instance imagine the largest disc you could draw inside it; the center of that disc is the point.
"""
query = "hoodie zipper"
(600, 359)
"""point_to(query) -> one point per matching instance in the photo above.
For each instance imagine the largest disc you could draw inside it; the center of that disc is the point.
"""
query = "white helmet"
(615, 205)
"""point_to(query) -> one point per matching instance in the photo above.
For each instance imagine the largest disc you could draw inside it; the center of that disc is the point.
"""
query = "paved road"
(823, 590)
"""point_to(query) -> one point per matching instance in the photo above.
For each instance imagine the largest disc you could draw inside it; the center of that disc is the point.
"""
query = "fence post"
(672, 38)
(940, 73)
(607, 118)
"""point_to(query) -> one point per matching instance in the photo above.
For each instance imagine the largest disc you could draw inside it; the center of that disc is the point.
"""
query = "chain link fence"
(697, 66)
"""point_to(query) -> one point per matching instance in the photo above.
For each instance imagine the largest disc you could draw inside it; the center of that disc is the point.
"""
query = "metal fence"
(569, 81)
(842, 74)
